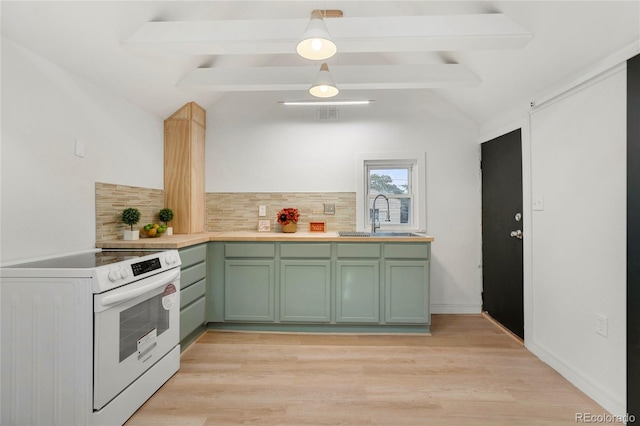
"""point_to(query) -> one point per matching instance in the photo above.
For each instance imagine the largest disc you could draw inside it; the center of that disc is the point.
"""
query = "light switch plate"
(329, 209)
(262, 211)
(79, 148)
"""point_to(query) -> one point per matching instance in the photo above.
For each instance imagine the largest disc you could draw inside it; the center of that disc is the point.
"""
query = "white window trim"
(419, 188)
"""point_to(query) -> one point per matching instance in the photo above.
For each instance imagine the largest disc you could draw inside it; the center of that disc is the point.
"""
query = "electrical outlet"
(602, 325)
(329, 209)
(262, 211)
(537, 203)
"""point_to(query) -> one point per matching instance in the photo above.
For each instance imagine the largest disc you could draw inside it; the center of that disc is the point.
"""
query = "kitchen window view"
(394, 183)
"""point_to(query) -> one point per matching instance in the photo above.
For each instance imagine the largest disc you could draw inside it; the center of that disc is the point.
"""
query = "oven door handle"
(131, 294)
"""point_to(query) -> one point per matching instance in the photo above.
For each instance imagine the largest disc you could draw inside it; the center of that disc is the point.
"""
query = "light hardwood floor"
(468, 372)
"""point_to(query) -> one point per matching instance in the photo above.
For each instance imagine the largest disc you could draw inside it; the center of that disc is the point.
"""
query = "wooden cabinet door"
(358, 291)
(407, 292)
(305, 290)
(249, 290)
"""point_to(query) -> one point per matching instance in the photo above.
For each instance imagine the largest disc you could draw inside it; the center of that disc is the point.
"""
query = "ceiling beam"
(373, 34)
(421, 76)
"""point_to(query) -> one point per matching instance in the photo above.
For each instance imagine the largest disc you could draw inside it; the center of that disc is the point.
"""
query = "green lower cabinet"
(249, 290)
(316, 286)
(407, 292)
(305, 291)
(193, 285)
(358, 291)
(192, 317)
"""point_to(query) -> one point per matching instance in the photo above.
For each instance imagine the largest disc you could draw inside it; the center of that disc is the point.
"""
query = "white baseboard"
(444, 308)
(608, 401)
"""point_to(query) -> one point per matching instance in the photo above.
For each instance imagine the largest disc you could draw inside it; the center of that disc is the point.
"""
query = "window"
(393, 182)
(390, 187)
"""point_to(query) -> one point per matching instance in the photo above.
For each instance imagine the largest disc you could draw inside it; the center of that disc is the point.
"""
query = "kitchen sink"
(378, 234)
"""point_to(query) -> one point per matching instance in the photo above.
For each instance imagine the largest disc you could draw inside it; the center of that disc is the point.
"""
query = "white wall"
(254, 144)
(48, 194)
(578, 166)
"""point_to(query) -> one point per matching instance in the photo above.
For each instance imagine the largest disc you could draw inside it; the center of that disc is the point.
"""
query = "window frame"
(417, 188)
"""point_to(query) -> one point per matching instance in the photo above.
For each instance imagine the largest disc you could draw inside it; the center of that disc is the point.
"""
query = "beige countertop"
(185, 240)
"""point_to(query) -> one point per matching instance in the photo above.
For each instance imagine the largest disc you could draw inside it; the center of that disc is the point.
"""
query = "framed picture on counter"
(264, 225)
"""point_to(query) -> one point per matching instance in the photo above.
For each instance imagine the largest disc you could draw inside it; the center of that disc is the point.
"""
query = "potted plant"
(131, 216)
(166, 216)
(288, 219)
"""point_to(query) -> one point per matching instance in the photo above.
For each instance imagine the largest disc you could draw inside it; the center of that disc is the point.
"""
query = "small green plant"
(131, 216)
(166, 215)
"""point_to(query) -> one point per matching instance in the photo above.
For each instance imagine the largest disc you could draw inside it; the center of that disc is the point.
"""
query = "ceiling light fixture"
(343, 102)
(323, 86)
(316, 41)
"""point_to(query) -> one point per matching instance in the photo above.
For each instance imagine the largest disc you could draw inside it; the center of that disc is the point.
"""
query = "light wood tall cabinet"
(184, 138)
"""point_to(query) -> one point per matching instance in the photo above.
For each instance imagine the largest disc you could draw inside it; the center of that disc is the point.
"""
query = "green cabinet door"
(249, 290)
(357, 291)
(305, 290)
(407, 292)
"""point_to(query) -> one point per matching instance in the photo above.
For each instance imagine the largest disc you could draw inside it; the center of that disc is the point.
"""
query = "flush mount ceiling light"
(323, 86)
(344, 102)
(316, 41)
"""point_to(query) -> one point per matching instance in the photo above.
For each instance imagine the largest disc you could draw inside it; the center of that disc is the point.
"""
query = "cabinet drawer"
(192, 255)
(305, 250)
(406, 251)
(249, 250)
(189, 294)
(191, 317)
(359, 250)
(193, 274)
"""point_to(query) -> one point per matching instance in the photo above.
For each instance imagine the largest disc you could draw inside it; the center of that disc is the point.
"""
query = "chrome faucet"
(373, 218)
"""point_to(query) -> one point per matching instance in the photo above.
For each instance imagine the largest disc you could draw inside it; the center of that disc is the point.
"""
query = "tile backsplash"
(237, 211)
(112, 199)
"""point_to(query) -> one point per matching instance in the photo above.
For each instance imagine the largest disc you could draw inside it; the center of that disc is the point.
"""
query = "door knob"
(517, 234)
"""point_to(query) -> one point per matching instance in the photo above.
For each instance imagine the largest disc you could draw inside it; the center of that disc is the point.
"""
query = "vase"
(290, 227)
(131, 235)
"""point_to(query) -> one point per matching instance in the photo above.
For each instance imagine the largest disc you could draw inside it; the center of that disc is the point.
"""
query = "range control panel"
(145, 266)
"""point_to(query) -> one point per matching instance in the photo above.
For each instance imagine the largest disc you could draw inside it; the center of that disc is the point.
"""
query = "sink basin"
(395, 234)
(379, 234)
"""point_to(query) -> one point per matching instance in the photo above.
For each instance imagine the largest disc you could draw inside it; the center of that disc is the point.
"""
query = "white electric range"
(88, 338)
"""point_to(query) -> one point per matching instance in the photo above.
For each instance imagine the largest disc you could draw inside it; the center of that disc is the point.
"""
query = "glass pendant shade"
(316, 41)
(323, 86)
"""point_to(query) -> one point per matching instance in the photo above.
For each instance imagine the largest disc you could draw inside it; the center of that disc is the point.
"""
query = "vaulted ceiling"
(485, 57)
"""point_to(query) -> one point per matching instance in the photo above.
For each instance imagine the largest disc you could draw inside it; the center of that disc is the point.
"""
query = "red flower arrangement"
(287, 215)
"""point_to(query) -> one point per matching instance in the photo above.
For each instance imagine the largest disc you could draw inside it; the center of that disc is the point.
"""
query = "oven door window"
(140, 325)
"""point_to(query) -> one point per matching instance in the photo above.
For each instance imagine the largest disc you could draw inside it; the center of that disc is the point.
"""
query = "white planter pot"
(169, 230)
(131, 235)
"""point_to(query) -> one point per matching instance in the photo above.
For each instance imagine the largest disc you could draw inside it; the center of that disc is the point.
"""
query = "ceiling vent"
(327, 113)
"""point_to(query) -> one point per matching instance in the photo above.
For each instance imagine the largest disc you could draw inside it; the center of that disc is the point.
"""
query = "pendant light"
(316, 41)
(323, 86)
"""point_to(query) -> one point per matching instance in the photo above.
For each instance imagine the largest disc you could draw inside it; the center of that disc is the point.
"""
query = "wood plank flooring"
(468, 372)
